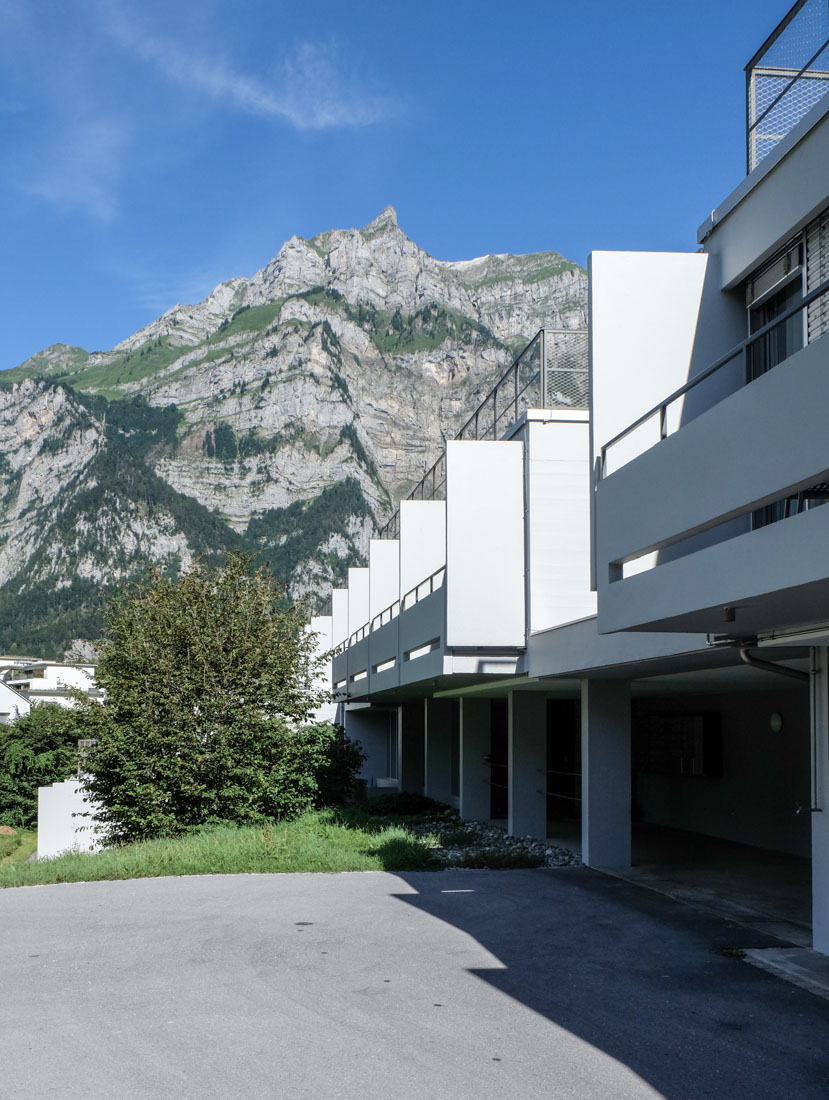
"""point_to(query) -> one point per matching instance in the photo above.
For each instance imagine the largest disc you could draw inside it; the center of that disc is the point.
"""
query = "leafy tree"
(209, 681)
(37, 749)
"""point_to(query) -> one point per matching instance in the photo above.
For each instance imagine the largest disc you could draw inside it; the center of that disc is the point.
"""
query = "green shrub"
(402, 804)
(209, 681)
(37, 749)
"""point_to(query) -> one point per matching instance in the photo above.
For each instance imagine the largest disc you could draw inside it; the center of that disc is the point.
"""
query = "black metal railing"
(550, 373)
(414, 595)
(741, 355)
(787, 76)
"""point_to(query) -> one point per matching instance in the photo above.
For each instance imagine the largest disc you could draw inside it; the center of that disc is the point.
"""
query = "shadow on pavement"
(654, 984)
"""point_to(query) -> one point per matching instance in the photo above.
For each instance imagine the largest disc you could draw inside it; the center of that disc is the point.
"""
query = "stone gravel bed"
(464, 838)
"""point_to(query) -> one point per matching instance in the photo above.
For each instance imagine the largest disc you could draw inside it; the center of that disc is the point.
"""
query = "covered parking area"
(695, 779)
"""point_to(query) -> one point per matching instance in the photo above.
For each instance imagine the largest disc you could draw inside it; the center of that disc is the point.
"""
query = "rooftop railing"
(550, 373)
(786, 77)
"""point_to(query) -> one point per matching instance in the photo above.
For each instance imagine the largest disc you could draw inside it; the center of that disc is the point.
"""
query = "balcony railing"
(741, 355)
(550, 373)
(412, 597)
(786, 77)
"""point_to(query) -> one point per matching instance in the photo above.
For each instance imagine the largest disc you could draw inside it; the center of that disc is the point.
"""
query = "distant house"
(50, 682)
(13, 704)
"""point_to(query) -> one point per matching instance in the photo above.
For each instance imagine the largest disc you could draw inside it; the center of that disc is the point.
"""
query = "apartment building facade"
(617, 608)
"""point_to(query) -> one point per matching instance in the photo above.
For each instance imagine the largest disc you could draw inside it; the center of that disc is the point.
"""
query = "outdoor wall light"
(776, 722)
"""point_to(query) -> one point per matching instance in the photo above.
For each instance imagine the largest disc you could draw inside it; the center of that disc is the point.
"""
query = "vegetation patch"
(18, 846)
(316, 841)
(250, 319)
(291, 535)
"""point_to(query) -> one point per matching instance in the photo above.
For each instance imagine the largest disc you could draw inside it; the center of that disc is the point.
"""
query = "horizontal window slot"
(422, 650)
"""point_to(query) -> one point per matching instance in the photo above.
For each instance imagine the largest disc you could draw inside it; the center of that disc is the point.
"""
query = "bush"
(403, 804)
(37, 749)
(209, 681)
(341, 762)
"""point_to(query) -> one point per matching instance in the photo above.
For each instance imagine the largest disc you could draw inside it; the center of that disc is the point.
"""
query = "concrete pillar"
(412, 747)
(440, 722)
(605, 768)
(475, 734)
(527, 764)
(820, 800)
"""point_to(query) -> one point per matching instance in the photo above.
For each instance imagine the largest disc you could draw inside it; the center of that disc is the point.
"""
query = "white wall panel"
(644, 308)
(558, 523)
(339, 615)
(357, 599)
(485, 544)
(61, 826)
(384, 574)
(422, 541)
(322, 626)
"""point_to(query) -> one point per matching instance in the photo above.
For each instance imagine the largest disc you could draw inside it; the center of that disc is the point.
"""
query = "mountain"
(283, 415)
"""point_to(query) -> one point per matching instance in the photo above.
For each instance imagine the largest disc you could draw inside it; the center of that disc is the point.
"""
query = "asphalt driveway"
(461, 984)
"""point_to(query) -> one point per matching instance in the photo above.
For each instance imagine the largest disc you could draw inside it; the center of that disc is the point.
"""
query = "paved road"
(464, 984)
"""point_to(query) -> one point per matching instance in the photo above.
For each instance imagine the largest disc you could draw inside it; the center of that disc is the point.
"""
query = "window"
(770, 292)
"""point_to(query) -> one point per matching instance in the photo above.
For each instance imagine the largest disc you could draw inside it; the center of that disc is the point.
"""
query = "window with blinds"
(817, 272)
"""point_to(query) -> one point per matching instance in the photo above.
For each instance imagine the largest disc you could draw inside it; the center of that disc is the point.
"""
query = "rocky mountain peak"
(283, 415)
(386, 219)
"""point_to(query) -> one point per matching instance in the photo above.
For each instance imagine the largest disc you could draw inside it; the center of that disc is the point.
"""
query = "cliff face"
(284, 413)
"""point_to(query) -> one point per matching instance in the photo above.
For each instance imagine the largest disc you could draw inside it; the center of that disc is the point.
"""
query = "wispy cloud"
(314, 91)
(159, 291)
(81, 168)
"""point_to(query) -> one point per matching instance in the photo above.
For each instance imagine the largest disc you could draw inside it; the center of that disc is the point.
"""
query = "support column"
(412, 748)
(820, 799)
(440, 720)
(527, 764)
(605, 766)
(475, 734)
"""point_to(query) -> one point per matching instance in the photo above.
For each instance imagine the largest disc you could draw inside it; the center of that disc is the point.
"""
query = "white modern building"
(50, 682)
(13, 704)
(609, 619)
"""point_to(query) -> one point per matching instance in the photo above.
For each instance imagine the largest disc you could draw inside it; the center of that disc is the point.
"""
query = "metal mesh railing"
(565, 376)
(786, 78)
(550, 373)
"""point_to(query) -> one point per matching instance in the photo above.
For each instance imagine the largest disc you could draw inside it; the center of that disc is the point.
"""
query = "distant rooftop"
(787, 76)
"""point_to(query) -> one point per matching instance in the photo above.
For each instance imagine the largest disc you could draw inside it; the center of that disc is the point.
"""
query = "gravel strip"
(464, 838)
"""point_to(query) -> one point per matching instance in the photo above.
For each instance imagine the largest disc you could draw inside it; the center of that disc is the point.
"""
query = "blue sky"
(153, 149)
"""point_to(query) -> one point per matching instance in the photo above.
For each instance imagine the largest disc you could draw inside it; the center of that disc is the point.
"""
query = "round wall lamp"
(776, 722)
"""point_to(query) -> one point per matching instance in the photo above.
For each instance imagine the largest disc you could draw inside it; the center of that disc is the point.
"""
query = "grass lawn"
(321, 841)
(17, 848)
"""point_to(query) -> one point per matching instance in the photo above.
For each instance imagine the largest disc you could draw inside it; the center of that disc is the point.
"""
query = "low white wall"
(339, 615)
(61, 826)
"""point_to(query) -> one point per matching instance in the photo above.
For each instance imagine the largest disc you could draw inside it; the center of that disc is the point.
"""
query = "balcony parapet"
(663, 420)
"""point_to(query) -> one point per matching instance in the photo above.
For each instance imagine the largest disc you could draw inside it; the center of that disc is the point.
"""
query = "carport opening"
(720, 802)
(720, 788)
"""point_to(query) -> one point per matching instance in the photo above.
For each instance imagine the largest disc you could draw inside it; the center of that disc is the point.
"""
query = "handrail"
(738, 349)
(389, 613)
(486, 421)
